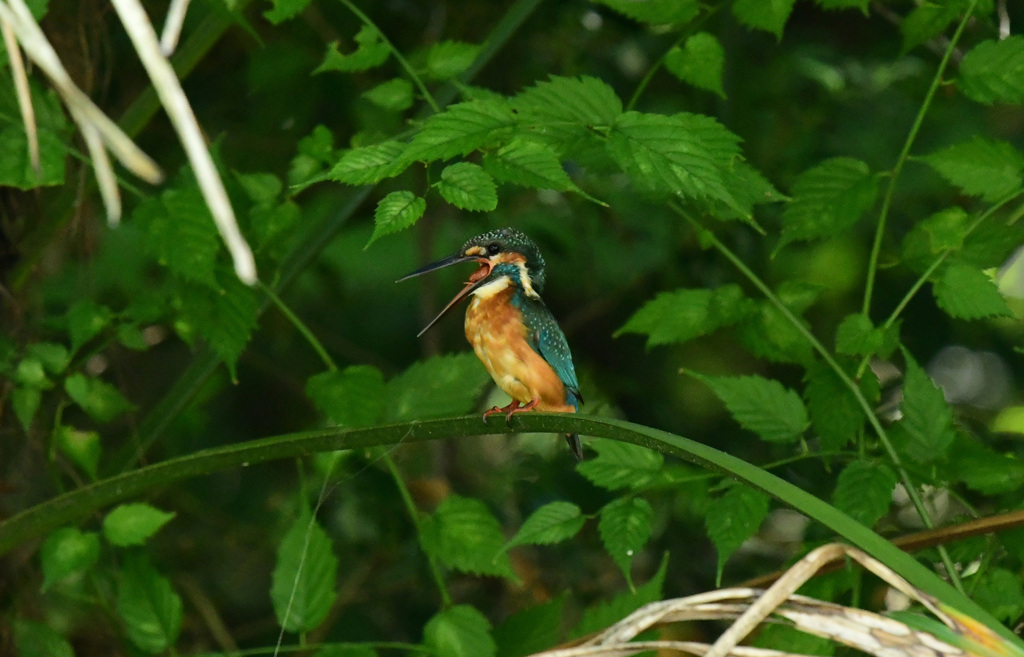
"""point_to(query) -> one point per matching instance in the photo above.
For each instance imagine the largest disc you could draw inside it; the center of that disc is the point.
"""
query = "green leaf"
(285, 10)
(181, 233)
(857, 336)
(993, 71)
(943, 231)
(552, 523)
(25, 402)
(981, 167)
(133, 524)
(395, 212)
(303, 582)
(439, 387)
(223, 316)
(86, 319)
(984, 470)
(447, 59)
(681, 316)
(459, 631)
(864, 491)
(925, 22)
(683, 154)
(368, 165)
(835, 412)
(769, 334)
(563, 112)
(82, 447)
(927, 420)
(371, 52)
(828, 199)
(845, 4)
(625, 527)
(698, 62)
(461, 129)
(53, 134)
(394, 95)
(353, 397)
(67, 551)
(53, 357)
(468, 187)
(655, 12)
(102, 401)
(531, 630)
(32, 639)
(965, 292)
(604, 614)
(148, 605)
(1002, 593)
(530, 164)
(732, 518)
(621, 465)
(767, 15)
(761, 405)
(464, 535)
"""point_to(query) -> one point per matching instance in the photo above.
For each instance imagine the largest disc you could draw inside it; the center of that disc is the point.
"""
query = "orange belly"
(498, 336)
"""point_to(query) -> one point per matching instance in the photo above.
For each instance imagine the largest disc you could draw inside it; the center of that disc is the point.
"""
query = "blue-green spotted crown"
(510, 240)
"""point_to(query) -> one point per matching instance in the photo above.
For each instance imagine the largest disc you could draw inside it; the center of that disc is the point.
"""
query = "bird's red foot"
(510, 410)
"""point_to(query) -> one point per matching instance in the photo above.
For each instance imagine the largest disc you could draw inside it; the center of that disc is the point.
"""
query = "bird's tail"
(575, 445)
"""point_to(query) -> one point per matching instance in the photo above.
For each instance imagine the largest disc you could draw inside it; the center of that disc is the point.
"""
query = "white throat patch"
(490, 289)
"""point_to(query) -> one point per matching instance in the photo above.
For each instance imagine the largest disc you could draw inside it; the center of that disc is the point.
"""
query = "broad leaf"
(464, 535)
(857, 336)
(439, 387)
(993, 71)
(148, 605)
(102, 401)
(461, 129)
(367, 165)
(835, 412)
(459, 631)
(625, 528)
(133, 524)
(353, 397)
(86, 319)
(828, 199)
(943, 231)
(981, 167)
(395, 95)
(552, 523)
(181, 233)
(33, 639)
(864, 491)
(681, 316)
(82, 447)
(450, 58)
(621, 465)
(67, 551)
(563, 112)
(732, 518)
(468, 187)
(761, 405)
(532, 629)
(303, 583)
(683, 154)
(1002, 593)
(224, 316)
(767, 15)
(395, 212)
(371, 52)
(698, 62)
(983, 469)
(925, 22)
(530, 164)
(967, 293)
(927, 423)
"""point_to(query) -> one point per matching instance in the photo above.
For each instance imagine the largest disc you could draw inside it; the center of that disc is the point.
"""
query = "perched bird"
(512, 332)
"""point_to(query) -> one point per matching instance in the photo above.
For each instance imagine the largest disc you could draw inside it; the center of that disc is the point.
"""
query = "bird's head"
(505, 257)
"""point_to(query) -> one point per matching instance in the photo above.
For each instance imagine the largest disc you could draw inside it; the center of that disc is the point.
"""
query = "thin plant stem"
(300, 327)
(402, 61)
(883, 436)
(883, 215)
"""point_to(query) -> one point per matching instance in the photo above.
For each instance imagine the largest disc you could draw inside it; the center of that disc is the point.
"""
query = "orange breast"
(495, 329)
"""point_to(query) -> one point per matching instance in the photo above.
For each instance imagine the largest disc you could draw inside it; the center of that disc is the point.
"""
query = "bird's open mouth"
(483, 272)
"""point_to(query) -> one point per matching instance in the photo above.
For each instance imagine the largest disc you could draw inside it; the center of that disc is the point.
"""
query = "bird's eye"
(493, 248)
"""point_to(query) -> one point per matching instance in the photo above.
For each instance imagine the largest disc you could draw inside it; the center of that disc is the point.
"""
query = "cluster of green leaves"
(572, 137)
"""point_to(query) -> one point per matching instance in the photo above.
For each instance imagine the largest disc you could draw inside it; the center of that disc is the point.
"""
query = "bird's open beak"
(475, 280)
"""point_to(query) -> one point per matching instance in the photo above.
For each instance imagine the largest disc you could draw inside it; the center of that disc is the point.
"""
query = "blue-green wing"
(547, 339)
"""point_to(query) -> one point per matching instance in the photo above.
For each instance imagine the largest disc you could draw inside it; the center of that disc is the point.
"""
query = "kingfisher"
(512, 332)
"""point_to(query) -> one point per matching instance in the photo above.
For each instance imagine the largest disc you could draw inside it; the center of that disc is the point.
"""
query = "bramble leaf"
(102, 401)
(927, 423)
(303, 582)
(468, 187)
(552, 523)
(981, 167)
(459, 631)
(353, 397)
(441, 386)
(530, 164)
(681, 316)
(132, 524)
(828, 199)
(864, 491)
(621, 465)
(993, 71)
(464, 535)
(967, 293)
(395, 212)
(625, 527)
(732, 518)
(461, 129)
(698, 62)
(531, 630)
(67, 551)
(367, 165)
(761, 405)
(767, 15)
(148, 605)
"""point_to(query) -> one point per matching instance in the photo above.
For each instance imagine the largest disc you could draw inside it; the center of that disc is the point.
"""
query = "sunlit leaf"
(133, 524)
(468, 187)
(461, 129)
(530, 164)
(303, 582)
(86, 319)
(396, 211)
(856, 336)
(284, 10)
(369, 164)
(625, 527)
(82, 447)
(563, 112)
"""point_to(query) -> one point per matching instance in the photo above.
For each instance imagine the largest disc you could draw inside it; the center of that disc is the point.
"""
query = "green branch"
(36, 522)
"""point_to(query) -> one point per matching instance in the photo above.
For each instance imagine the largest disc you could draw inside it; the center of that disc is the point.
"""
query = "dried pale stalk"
(172, 26)
(172, 97)
(28, 113)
